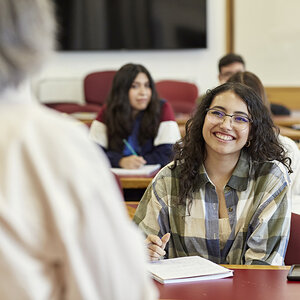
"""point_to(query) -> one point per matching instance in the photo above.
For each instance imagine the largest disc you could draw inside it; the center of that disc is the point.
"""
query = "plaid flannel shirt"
(258, 204)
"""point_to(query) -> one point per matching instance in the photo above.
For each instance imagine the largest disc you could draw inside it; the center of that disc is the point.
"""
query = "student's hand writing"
(156, 245)
(132, 162)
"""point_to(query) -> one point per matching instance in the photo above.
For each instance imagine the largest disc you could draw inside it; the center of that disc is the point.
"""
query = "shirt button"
(230, 209)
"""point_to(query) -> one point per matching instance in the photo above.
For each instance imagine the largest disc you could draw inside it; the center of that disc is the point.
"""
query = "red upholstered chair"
(182, 95)
(97, 86)
(293, 250)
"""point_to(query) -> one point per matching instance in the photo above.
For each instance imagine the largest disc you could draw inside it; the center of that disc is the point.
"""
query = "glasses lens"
(240, 119)
(217, 116)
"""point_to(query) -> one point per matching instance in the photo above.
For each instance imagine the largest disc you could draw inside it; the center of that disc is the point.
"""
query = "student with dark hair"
(134, 114)
(64, 233)
(251, 80)
(289, 145)
(225, 196)
(232, 63)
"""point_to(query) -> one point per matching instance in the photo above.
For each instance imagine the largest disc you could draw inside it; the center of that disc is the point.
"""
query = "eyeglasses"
(218, 116)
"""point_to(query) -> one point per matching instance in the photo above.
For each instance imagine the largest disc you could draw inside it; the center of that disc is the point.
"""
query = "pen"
(129, 147)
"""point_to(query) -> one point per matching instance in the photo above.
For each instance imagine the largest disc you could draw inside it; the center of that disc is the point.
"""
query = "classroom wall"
(267, 34)
(198, 66)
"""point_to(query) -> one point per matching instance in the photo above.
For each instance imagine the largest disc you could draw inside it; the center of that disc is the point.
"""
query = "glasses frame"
(228, 115)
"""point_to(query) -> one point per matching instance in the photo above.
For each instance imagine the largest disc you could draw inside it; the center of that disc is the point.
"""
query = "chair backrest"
(64, 95)
(60, 90)
(182, 95)
(293, 250)
(97, 86)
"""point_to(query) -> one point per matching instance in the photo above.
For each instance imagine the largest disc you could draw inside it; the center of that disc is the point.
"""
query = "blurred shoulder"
(289, 145)
(167, 113)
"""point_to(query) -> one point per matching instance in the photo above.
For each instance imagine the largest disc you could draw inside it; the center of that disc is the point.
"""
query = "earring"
(248, 144)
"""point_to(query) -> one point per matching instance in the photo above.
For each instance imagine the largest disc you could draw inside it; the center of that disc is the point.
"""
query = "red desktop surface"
(246, 284)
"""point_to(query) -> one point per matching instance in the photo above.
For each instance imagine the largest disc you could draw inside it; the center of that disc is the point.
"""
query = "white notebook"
(144, 170)
(186, 269)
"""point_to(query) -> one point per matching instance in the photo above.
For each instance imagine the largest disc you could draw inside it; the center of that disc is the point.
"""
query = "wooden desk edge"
(135, 182)
(256, 267)
(286, 121)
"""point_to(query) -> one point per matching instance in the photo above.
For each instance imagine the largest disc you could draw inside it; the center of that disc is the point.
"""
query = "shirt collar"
(239, 178)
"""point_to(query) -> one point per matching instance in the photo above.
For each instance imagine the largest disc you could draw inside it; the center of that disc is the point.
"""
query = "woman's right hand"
(156, 246)
(132, 162)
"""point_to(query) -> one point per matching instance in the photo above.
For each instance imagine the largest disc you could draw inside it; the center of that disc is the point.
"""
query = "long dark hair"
(190, 151)
(118, 115)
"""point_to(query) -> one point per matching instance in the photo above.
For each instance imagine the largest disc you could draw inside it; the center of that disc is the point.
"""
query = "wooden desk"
(289, 132)
(134, 186)
(88, 123)
(85, 117)
(287, 120)
(182, 120)
(248, 283)
(134, 182)
(131, 207)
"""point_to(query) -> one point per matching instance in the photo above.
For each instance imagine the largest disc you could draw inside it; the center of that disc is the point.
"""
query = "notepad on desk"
(186, 269)
(144, 170)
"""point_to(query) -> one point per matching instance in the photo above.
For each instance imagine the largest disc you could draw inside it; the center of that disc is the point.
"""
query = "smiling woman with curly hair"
(225, 196)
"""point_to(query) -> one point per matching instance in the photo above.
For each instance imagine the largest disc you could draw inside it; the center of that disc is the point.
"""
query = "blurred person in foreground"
(63, 231)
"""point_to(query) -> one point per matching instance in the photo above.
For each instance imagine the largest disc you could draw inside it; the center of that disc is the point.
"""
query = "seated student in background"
(64, 233)
(289, 145)
(232, 63)
(225, 196)
(134, 114)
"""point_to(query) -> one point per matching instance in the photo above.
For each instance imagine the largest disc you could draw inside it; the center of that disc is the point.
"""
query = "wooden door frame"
(229, 27)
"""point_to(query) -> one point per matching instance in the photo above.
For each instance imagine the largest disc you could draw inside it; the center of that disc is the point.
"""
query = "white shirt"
(64, 232)
(294, 153)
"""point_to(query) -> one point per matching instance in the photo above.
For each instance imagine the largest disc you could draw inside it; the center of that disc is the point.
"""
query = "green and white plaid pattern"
(258, 204)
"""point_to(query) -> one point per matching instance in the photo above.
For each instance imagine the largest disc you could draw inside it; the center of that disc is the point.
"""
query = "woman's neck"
(134, 113)
(220, 168)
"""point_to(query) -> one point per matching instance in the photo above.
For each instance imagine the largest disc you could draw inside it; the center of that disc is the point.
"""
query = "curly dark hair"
(118, 114)
(190, 151)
